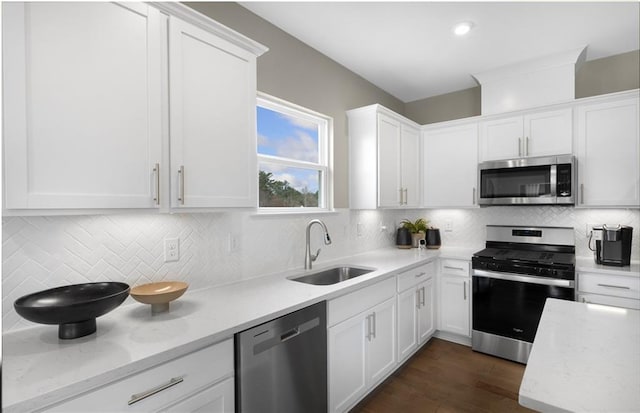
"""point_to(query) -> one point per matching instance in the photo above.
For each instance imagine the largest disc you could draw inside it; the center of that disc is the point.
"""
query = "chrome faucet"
(308, 257)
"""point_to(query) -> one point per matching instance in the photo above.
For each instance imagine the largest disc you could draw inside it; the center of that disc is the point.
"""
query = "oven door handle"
(524, 278)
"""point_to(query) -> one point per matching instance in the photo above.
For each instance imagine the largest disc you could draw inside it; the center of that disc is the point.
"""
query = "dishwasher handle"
(276, 337)
(290, 334)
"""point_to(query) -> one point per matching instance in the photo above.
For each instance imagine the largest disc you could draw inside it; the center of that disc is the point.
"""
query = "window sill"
(288, 212)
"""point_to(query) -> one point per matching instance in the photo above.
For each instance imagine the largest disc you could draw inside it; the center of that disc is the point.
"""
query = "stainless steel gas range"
(512, 278)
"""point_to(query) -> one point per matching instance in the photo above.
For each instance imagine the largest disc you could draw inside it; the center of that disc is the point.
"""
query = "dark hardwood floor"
(448, 377)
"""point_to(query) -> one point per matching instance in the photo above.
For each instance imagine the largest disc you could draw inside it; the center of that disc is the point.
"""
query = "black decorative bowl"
(73, 307)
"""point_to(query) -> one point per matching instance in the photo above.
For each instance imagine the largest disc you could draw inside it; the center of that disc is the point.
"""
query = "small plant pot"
(415, 239)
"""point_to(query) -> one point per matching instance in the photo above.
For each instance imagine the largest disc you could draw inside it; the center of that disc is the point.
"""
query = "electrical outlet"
(171, 249)
(448, 225)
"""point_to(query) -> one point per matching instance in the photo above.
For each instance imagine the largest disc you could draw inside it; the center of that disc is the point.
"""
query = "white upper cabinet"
(212, 120)
(82, 110)
(532, 134)
(384, 159)
(450, 166)
(608, 152)
(95, 94)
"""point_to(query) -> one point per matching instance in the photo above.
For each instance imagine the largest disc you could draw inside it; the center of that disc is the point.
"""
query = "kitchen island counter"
(585, 357)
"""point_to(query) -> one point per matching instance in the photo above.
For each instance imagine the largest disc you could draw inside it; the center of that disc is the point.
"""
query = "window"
(293, 157)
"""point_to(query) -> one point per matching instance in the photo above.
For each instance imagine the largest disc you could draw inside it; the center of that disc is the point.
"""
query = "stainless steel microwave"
(543, 180)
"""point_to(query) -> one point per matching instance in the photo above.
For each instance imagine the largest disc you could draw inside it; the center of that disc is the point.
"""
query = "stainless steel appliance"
(613, 245)
(540, 180)
(511, 279)
(281, 365)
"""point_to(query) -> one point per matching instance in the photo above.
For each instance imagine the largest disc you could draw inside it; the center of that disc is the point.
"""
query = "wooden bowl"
(159, 294)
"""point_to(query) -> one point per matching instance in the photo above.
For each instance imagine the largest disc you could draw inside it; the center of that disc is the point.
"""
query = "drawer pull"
(421, 274)
(454, 268)
(141, 396)
(614, 286)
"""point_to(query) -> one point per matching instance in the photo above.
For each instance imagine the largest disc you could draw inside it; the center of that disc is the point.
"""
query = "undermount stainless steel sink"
(332, 275)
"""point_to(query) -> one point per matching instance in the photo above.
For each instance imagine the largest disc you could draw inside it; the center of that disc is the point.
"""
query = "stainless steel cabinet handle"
(582, 193)
(464, 290)
(406, 197)
(156, 172)
(418, 299)
(181, 185)
(423, 300)
(526, 146)
(374, 325)
(141, 396)
(473, 199)
(453, 268)
(519, 147)
(421, 274)
(621, 287)
(401, 200)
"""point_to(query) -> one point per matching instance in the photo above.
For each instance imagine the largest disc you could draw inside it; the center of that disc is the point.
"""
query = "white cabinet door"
(608, 151)
(389, 184)
(454, 299)
(347, 362)
(82, 105)
(501, 139)
(450, 167)
(410, 165)
(212, 120)
(548, 133)
(407, 321)
(533, 134)
(215, 399)
(381, 345)
(426, 311)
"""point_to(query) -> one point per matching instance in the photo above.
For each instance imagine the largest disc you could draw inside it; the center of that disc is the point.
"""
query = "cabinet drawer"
(349, 305)
(614, 285)
(197, 370)
(609, 300)
(410, 278)
(454, 267)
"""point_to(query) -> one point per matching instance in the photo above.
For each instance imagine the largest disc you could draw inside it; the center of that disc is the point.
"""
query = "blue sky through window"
(291, 138)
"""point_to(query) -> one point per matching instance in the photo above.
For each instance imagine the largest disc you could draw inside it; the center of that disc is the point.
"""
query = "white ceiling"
(409, 50)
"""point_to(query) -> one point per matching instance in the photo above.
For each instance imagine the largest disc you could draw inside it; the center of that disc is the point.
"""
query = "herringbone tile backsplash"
(217, 248)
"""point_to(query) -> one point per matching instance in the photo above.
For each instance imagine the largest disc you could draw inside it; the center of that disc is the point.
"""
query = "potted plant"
(418, 229)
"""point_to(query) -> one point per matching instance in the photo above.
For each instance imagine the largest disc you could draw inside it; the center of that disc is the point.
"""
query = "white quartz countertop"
(588, 264)
(39, 369)
(585, 358)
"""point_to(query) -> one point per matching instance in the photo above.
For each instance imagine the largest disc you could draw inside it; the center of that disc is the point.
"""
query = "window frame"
(325, 155)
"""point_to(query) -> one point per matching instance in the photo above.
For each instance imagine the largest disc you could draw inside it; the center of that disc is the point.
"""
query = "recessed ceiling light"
(462, 28)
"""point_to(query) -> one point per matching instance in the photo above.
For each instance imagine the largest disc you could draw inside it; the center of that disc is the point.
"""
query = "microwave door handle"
(553, 172)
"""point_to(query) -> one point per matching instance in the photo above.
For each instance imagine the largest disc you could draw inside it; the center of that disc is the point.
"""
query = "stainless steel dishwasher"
(281, 365)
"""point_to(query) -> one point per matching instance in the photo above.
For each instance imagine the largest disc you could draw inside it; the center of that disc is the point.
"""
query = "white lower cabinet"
(201, 381)
(612, 290)
(361, 342)
(416, 309)
(455, 297)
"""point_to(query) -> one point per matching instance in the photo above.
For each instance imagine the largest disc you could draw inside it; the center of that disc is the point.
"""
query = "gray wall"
(293, 71)
(595, 77)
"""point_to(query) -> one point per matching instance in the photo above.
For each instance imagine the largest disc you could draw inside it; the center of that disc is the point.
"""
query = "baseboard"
(454, 338)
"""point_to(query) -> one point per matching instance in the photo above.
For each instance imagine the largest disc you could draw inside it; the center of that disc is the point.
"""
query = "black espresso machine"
(613, 245)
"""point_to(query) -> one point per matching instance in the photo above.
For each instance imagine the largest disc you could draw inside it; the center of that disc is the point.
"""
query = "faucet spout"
(309, 258)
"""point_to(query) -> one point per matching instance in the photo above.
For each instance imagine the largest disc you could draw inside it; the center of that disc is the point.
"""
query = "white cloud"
(300, 123)
(303, 147)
